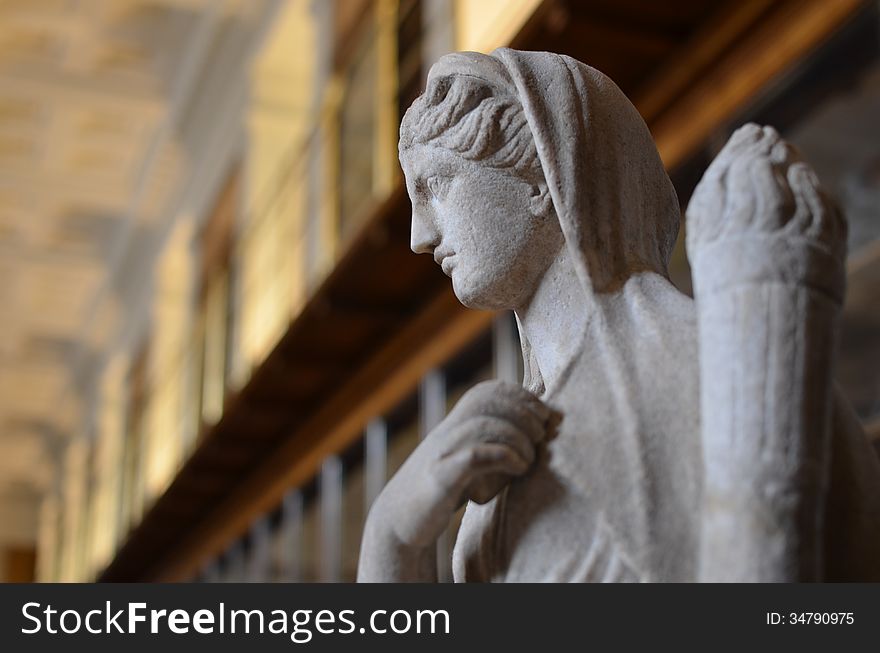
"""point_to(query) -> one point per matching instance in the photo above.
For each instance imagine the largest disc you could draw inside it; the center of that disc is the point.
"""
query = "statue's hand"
(486, 440)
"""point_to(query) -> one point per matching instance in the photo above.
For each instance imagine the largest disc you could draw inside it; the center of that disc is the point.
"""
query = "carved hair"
(476, 119)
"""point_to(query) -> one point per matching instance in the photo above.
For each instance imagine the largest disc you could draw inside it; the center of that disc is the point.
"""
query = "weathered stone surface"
(537, 187)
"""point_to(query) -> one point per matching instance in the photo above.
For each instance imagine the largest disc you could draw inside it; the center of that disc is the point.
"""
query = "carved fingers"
(488, 452)
(504, 401)
(492, 435)
(488, 439)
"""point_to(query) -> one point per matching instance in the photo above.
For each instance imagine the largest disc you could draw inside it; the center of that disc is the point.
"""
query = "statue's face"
(491, 231)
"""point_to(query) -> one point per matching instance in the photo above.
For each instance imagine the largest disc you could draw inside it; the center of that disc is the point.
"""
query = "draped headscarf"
(616, 206)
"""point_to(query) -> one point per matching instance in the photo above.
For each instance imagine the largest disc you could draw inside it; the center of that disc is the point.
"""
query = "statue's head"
(480, 201)
(511, 156)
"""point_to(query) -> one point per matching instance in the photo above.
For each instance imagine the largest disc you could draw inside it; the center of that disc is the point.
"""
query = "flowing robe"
(615, 496)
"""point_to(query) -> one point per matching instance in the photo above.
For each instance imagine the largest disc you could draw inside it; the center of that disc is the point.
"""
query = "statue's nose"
(424, 237)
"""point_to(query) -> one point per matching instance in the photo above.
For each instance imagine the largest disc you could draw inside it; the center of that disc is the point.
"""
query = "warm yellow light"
(483, 25)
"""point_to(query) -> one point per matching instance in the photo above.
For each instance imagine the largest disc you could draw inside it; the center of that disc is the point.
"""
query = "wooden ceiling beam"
(792, 31)
(605, 34)
(349, 308)
(694, 56)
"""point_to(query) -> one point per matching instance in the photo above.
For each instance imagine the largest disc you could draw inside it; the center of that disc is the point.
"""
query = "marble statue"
(655, 437)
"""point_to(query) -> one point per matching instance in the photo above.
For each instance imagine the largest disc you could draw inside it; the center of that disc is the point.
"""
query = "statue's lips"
(445, 259)
(447, 263)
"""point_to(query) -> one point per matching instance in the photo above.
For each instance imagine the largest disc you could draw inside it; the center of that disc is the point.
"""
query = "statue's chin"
(476, 298)
(465, 299)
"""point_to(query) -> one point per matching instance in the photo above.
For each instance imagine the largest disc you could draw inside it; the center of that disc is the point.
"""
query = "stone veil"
(615, 203)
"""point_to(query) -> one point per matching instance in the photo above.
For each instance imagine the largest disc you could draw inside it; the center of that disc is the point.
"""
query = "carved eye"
(438, 185)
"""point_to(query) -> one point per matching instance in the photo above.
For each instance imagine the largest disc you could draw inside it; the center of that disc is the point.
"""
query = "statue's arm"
(385, 558)
(766, 247)
(488, 439)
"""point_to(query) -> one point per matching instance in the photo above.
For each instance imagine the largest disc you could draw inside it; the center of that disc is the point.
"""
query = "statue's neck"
(562, 318)
(555, 318)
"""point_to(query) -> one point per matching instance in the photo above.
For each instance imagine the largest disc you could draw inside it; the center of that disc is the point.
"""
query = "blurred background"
(215, 345)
